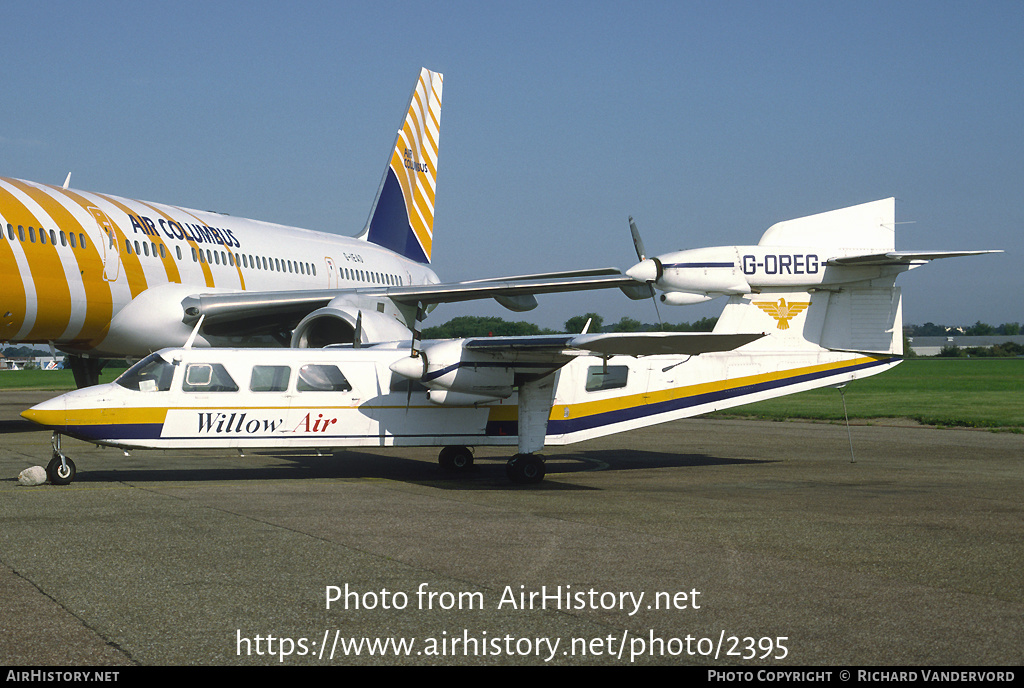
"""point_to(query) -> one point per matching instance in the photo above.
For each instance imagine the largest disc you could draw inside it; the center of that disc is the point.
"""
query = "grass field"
(968, 392)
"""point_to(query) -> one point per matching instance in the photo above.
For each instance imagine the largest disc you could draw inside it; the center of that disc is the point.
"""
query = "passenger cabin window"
(606, 377)
(151, 374)
(207, 377)
(322, 378)
(266, 378)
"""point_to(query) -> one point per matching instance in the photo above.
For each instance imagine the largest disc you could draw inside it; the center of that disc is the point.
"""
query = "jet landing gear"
(61, 469)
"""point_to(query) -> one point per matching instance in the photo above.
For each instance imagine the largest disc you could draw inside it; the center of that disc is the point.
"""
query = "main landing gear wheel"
(525, 469)
(456, 459)
(61, 470)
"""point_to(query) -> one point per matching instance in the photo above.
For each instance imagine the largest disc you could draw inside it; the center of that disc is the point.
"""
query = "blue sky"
(706, 121)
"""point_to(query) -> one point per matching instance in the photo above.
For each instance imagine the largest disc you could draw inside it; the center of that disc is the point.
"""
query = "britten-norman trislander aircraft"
(97, 275)
(814, 304)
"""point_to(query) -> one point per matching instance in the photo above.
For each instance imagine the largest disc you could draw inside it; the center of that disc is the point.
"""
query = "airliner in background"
(97, 275)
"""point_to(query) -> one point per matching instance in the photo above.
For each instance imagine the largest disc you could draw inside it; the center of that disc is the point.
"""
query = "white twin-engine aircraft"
(97, 275)
(831, 315)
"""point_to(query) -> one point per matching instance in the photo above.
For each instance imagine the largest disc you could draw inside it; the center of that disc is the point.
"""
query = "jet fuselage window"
(322, 378)
(81, 240)
(207, 377)
(611, 377)
(151, 374)
(268, 378)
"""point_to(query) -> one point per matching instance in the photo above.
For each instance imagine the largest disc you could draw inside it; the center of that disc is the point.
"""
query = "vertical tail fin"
(402, 217)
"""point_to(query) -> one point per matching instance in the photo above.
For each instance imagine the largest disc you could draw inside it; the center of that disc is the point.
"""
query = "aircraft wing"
(902, 257)
(616, 343)
(241, 308)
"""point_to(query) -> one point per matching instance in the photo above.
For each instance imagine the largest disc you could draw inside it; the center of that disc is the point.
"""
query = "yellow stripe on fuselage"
(170, 266)
(53, 297)
(98, 299)
(591, 408)
(133, 271)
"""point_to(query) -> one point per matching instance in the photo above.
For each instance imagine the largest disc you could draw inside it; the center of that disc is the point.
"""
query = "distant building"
(931, 346)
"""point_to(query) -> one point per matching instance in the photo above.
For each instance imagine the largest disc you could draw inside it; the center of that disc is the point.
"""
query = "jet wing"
(902, 257)
(288, 307)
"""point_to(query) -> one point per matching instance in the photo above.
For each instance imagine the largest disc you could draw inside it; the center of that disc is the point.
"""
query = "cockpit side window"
(322, 378)
(269, 378)
(207, 377)
(151, 374)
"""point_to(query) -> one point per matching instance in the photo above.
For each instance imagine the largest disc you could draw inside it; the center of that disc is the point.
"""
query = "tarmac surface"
(754, 544)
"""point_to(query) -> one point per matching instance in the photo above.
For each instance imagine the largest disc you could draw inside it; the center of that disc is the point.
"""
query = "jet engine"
(341, 322)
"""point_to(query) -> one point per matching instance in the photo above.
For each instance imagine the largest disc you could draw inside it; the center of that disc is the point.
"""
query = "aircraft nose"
(52, 413)
(644, 271)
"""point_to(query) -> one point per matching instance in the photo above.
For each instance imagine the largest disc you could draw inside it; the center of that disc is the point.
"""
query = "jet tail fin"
(402, 216)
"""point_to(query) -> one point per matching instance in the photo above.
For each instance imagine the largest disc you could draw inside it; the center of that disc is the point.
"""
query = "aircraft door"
(108, 245)
(332, 273)
(336, 401)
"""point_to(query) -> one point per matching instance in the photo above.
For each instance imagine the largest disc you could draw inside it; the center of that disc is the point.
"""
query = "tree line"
(491, 326)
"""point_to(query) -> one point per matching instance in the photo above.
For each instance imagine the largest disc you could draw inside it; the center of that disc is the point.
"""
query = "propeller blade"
(638, 243)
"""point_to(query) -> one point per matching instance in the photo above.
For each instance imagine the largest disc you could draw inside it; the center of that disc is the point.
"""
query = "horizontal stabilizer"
(903, 257)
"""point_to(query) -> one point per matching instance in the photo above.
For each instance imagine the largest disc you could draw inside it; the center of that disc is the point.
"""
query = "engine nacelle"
(337, 323)
(684, 298)
(445, 365)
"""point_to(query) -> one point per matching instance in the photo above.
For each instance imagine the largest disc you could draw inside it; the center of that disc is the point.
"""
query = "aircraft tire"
(59, 475)
(456, 459)
(525, 469)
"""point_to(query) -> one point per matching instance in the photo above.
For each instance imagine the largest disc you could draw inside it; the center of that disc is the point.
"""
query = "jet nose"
(644, 271)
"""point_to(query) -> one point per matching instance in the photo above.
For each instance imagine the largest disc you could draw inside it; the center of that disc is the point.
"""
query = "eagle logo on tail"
(782, 311)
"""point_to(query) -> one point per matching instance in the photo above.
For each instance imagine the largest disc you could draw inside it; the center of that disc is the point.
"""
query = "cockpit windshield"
(151, 374)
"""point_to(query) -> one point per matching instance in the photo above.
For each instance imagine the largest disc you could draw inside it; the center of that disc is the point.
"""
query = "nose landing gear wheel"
(61, 470)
